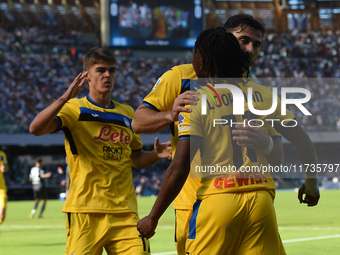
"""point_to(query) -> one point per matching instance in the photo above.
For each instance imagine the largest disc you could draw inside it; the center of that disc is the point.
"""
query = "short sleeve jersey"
(3, 160)
(219, 150)
(35, 175)
(98, 143)
(161, 98)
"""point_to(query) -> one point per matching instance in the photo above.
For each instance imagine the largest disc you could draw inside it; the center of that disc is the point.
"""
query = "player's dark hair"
(38, 160)
(243, 20)
(221, 54)
(96, 55)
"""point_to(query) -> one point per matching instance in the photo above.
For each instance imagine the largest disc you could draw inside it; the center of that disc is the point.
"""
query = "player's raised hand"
(146, 227)
(183, 99)
(252, 137)
(76, 86)
(163, 150)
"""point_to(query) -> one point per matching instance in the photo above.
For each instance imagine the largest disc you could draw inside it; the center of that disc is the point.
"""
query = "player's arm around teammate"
(255, 138)
(309, 192)
(147, 120)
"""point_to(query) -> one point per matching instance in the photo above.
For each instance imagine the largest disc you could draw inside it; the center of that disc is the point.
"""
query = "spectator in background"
(3, 189)
(38, 176)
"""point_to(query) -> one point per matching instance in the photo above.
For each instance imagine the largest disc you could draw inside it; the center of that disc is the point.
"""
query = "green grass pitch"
(304, 231)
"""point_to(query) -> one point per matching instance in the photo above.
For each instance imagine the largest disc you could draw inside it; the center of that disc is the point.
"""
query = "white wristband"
(270, 146)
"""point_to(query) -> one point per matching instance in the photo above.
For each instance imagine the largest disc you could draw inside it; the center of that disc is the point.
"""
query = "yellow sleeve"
(190, 124)
(68, 115)
(136, 143)
(165, 91)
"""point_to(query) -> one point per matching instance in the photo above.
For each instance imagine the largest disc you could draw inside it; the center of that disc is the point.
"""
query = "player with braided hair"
(212, 46)
(234, 213)
(164, 103)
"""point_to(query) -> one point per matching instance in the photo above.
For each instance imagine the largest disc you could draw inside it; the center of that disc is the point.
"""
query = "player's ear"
(202, 68)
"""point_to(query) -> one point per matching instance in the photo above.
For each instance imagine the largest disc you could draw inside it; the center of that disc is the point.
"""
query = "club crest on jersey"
(180, 120)
(157, 82)
(127, 122)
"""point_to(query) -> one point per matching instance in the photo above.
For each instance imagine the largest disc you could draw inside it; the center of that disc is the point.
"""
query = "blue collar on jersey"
(99, 105)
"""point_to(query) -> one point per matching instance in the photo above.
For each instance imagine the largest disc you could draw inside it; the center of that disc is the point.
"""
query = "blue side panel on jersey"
(185, 85)
(192, 222)
(87, 114)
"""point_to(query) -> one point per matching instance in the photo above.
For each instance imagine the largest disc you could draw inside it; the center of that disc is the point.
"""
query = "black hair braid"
(221, 54)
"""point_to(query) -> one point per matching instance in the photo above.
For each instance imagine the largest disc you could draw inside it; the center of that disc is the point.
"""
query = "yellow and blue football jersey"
(3, 160)
(161, 98)
(219, 149)
(98, 144)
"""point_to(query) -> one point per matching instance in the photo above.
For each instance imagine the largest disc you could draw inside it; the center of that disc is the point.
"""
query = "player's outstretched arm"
(255, 138)
(45, 121)
(143, 159)
(309, 192)
(147, 120)
(173, 182)
(45, 176)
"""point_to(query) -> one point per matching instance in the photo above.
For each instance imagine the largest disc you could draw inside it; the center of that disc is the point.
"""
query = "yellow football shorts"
(234, 223)
(181, 229)
(3, 199)
(90, 233)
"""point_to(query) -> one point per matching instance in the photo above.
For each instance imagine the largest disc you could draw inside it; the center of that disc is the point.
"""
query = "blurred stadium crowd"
(37, 65)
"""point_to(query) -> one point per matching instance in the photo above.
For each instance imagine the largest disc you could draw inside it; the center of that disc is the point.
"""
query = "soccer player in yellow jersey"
(234, 213)
(101, 149)
(166, 100)
(3, 189)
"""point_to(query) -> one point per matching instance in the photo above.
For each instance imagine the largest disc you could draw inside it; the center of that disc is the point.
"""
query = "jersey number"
(237, 150)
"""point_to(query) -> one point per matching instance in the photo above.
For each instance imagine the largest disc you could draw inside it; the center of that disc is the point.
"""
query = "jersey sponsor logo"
(156, 84)
(107, 134)
(240, 179)
(95, 115)
(112, 153)
(180, 120)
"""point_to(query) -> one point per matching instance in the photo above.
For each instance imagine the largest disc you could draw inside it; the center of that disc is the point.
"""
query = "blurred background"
(42, 43)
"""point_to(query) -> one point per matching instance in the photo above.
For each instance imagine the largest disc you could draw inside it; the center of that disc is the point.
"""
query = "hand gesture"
(183, 99)
(146, 227)
(253, 136)
(163, 150)
(76, 86)
(312, 195)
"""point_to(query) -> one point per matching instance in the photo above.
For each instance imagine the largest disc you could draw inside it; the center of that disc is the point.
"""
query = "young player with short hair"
(101, 149)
